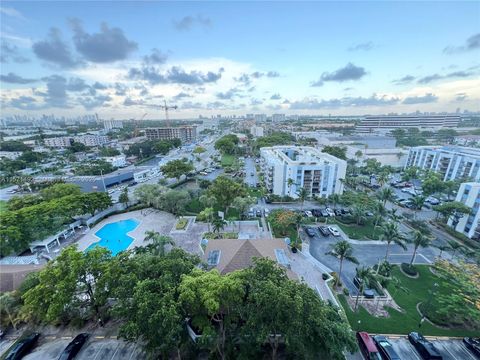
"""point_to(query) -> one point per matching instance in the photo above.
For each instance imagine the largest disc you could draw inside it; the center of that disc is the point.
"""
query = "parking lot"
(450, 349)
(94, 349)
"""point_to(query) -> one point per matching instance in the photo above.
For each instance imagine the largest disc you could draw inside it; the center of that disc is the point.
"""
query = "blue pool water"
(114, 236)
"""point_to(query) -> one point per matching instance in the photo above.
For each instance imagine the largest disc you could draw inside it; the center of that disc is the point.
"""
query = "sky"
(124, 59)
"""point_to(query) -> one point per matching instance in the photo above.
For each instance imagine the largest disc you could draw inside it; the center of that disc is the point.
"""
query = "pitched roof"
(237, 254)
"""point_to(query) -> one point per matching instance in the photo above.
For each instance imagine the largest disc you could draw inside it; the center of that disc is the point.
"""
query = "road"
(251, 177)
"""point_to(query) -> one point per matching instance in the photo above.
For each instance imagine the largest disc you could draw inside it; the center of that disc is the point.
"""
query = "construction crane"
(135, 132)
(174, 107)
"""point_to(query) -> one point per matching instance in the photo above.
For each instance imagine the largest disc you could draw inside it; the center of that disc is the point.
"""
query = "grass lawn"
(3, 205)
(255, 192)
(403, 323)
(291, 232)
(227, 160)
(362, 232)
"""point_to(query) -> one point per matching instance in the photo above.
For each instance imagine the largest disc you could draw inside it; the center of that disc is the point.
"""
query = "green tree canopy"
(176, 168)
(337, 151)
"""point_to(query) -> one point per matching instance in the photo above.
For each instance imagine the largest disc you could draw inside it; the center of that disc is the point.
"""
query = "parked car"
(74, 347)
(324, 230)
(473, 345)
(316, 212)
(369, 293)
(251, 213)
(23, 347)
(385, 348)
(345, 211)
(308, 213)
(266, 212)
(432, 200)
(333, 231)
(258, 213)
(310, 232)
(368, 213)
(337, 212)
(329, 212)
(324, 213)
(425, 348)
(367, 346)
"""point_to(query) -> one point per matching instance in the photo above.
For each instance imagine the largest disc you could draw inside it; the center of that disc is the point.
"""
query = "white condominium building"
(451, 162)
(91, 140)
(289, 168)
(59, 142)
(469, 224)
(386, 123)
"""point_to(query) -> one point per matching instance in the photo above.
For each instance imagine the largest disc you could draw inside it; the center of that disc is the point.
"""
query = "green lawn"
(403, 323)
(358, 232)
(227, 160)
(3, 205)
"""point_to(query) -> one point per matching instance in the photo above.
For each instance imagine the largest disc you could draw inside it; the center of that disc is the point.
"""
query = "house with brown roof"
(227, 255)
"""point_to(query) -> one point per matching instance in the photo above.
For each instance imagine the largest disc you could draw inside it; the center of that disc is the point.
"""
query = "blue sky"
(122, 59)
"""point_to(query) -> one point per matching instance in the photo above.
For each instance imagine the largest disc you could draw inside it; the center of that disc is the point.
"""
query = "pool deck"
(150, 219)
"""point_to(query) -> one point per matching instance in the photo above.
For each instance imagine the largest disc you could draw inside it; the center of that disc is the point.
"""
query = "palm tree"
(358, 213)
(394, 216)
(158, 241)
(334, 199)
(419, 239)
(418, 201)
(218, 225)
(379, 211)
(454, 246)
(358, 154)
(290, 182)
(302, 195)
(366, 276)
(342, 250)
(390, 233)
(383, 178)
(386, 194)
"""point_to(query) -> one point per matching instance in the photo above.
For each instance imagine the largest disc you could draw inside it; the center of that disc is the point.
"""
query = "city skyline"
(235, 58)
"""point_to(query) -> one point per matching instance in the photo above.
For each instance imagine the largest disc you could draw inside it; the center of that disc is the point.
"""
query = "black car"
(337, 212)
(324, 231)
(23, 347)
(310, 232)
(385, 348)
(74, 347)
(425, 348)
(345, 211)
(473, 345)
(316, 212)
(259, 213)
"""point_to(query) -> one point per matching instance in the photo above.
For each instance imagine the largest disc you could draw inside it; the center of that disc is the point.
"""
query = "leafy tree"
(358, 154)
(59, 190)
(13, 145)
(148, 194)
(282, 220)
(218, 225)
(367, 277)
(454, 246)
(227, 144)
(225, 190)
(72, 285)
(199, 150)
(206, 215)
(390, 233)
(448, 209)
(418, 239)
(109, 151)
(275, 138)
(432, 184)
(342, 250)
(358, 213)
(17, 202)
(337, 151)
(176, 168)
(93, 202)
(9, 308)
(417, 201)
(459, 298)
(411, 173)
(174, 201)
(242, 204)
(96, 167)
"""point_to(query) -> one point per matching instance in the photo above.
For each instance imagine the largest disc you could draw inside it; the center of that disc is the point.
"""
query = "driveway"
(368, 253)
(250, 180)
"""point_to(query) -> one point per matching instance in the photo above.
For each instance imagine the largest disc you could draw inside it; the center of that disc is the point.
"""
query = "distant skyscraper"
(278, 118)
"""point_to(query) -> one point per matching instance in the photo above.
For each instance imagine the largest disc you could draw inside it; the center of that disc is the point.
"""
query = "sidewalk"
(310, 270)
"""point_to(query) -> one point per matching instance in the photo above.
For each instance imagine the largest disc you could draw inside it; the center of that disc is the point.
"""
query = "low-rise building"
(256, 131)
(184, 133)
(467, 140)
(451, 162)
(91, 140)
(12, 155)
(288, 168)
(117, 161)
(59, 142)
(469, 224)
(387, 123)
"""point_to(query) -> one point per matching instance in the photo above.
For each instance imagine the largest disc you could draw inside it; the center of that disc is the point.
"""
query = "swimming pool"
(114, 236)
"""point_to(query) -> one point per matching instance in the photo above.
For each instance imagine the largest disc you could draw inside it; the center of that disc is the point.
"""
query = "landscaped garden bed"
(225, 235)
(415, 291)
(181, 224)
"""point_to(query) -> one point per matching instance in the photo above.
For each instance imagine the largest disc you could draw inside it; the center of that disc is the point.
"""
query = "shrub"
(181, 224)
(409, 269)
(346, 292)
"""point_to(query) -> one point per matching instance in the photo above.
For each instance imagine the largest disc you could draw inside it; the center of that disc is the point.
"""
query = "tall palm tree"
(418, 239)
(383, 178)
(158, 241)
(302, 195)
(358, 213)
(394, 215)
(218, 225)
(342, 250)
(390, 233)
(386, 194)
(380, 211)
(367, 277)
(418, 201)
(334, 199)
(455, 246)
(290, 183)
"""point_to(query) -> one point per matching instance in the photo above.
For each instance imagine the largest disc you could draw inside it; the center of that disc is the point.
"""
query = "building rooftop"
(229, 255)
(301, 155)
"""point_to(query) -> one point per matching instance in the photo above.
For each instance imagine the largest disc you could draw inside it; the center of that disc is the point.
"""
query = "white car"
(330, 212)
(333, 231)
(308, 213)
(267, 212)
